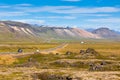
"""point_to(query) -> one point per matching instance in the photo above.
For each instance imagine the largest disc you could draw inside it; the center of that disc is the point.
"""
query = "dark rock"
(68, 53)
(103, 63)
(57, 53)
(48, 76)
(98, 67)
(20, 50)
(91, 51)
(68, 78)
(82, 51)
(30, 59)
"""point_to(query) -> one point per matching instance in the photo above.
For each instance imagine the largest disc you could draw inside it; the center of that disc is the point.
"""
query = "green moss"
(41, 58)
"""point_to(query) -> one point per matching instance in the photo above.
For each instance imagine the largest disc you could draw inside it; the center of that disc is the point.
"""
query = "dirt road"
(46, 51)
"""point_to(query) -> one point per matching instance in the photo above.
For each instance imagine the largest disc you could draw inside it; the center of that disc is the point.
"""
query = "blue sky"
(75, 13)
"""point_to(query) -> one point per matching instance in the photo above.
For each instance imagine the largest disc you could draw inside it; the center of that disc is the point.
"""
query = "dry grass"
(27, 47)
(105, 49)
(7, 60)
(71, 62)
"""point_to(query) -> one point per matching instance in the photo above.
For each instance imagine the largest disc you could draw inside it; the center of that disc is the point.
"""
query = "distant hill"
(106, 33)
(90, 29)
(11, 30)
(117, 32)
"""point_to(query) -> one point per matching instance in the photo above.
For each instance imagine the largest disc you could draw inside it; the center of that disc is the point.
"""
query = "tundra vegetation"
(91, 60)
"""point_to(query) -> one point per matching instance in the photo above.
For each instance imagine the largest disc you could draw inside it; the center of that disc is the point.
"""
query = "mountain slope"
(11, 30)
(106, 33)
(17, 31)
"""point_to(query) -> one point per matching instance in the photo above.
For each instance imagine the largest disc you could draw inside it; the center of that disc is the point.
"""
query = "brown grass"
(106, 49)
(7, 60)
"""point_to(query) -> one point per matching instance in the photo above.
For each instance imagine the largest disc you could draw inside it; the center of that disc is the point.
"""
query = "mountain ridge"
(19, 30)
(106, 33)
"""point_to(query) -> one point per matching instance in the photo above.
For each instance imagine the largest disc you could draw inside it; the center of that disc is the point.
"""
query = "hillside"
(106, 33)
(15, 31)
(11, 30)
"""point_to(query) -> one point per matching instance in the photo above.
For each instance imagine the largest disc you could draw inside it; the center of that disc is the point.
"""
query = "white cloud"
(70, 9)
(87, 10)
(7, 14)
(61, 9)
(59, 17)
(105, 20)
(16, 5)
(92, 14)
(4, 6)
(99, 15)
(44, 8)
(24, 5)
(31, 21)
(72, 0)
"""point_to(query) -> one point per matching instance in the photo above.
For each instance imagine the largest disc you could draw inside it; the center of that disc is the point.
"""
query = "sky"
(83, 14)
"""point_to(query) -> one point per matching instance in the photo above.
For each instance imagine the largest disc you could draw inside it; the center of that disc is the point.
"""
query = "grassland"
(74, 65)
(104, 48)
(27, 47)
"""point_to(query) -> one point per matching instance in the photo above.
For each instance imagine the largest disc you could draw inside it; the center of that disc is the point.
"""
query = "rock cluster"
(50, 76)
(89, 51)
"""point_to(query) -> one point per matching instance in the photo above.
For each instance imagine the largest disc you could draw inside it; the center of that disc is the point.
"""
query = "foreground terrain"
(58, 61)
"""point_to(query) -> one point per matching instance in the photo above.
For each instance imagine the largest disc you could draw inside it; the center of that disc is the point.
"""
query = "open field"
(97, 61)
(27, 47)
(104, 48)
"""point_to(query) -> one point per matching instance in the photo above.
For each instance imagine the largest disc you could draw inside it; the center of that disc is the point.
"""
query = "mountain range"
(18, 31)
(106, 33)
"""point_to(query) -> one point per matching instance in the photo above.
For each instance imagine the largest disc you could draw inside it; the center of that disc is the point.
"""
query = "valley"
(57, 61)
(29, 52)
(59, 39)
